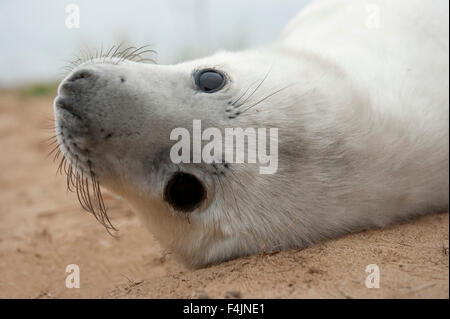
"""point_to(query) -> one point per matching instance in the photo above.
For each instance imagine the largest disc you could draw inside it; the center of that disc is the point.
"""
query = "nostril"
(81, 74)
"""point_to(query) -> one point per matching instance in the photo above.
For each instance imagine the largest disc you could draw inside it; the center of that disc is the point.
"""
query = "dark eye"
(209, 81)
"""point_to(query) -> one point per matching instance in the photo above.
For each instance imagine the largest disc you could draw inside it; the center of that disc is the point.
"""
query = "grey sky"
(35, 41)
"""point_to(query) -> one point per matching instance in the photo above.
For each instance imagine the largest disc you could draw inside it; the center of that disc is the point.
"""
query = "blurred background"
(36, 42)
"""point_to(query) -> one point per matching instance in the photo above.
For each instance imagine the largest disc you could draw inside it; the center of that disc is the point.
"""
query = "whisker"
(234, 103)
(52, 142)
(117, 50)
(119, 53)
(256, 89)
(69, 179)
(123, 54)
(108, 53)
(139, 54)
(52, 151)
(59, 170)
(50, 138)
(101, 51)
(58, 153)
(265, 98)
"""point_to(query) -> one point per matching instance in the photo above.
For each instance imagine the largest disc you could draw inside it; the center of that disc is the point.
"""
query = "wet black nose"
(79, 81)
(76, 90)
(81, 75)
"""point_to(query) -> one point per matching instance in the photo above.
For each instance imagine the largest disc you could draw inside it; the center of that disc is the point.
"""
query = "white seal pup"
(357, 89)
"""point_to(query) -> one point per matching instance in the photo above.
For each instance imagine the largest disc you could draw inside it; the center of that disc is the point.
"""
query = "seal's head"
(114, 120)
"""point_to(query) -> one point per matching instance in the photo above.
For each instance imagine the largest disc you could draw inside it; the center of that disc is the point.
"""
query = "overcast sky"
(35, 41)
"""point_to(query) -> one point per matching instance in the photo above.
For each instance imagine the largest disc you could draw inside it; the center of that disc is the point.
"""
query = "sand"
(43, 229)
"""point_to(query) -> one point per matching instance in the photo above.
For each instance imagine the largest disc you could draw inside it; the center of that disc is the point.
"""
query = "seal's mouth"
(184, 192)
(66, 107)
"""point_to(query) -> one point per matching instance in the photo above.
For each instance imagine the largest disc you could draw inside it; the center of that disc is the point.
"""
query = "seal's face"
(114, 121)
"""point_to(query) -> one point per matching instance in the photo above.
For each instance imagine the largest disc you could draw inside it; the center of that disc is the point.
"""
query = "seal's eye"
(184, 192)
(209, 81)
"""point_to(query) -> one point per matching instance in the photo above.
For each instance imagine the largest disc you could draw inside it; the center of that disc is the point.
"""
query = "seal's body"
(358, 91)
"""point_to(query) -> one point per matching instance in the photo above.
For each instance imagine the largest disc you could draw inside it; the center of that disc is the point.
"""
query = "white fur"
(363, 131)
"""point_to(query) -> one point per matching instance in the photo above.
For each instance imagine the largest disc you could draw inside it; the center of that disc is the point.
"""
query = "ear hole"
(184, 192)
